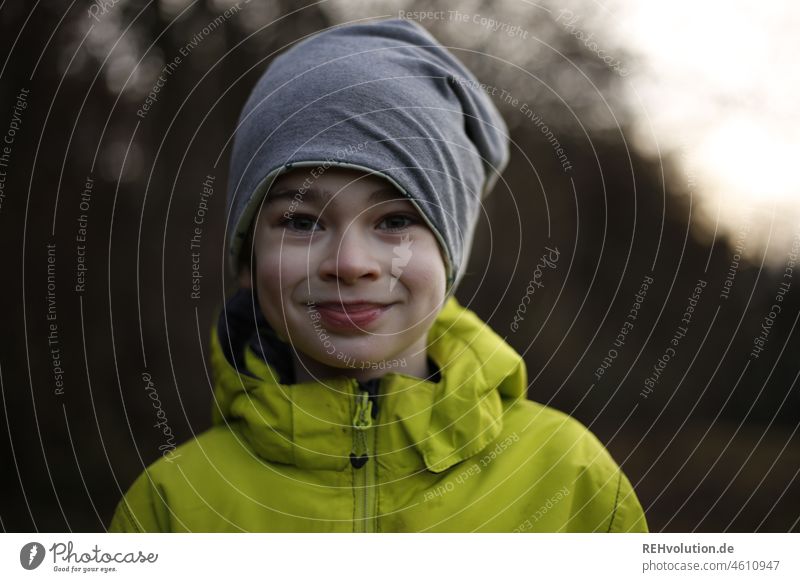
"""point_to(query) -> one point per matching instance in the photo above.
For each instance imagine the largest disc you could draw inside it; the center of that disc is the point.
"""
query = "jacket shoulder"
(148, 504)
(557, 432)
(568, 457)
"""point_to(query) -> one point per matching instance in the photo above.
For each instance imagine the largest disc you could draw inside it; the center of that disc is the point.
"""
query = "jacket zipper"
(364, 471)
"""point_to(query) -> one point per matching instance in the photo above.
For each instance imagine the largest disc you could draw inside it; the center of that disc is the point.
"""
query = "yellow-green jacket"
(395, 454)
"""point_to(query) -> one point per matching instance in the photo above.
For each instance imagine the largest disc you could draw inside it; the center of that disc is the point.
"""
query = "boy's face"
(346, 271)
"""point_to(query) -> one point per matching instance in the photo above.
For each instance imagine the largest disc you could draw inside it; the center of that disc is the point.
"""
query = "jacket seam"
(352, 468)
(616, 502)
(375, 484)
(127, 511)
(353, 489)
(467, 452)
(292, 423)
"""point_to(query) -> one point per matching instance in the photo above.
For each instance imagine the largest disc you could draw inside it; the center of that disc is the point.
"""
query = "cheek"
(426, 270)
(267, 271)
(273, 292)
(282, 269)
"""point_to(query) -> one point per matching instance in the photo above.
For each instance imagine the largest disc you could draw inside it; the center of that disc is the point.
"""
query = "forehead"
(318, 187)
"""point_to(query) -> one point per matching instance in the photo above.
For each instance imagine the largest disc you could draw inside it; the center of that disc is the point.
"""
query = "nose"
(349, 259)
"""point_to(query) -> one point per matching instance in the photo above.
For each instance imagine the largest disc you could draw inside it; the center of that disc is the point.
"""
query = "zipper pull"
(362, 420)
(372, 386)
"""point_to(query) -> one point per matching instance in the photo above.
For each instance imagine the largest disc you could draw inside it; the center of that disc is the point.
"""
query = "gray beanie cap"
(384, 97)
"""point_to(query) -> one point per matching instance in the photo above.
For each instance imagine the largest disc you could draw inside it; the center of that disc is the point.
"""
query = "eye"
(299, 223)
(397, 222)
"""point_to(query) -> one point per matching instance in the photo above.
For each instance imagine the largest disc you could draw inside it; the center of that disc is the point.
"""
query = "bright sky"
(719, 81)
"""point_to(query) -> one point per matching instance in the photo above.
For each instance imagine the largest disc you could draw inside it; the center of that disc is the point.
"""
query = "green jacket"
(466, 453)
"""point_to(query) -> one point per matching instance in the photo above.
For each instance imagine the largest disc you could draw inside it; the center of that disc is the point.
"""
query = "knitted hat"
(383, 97)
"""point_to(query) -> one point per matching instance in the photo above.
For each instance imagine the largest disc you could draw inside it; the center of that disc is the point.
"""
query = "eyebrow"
(316, 196)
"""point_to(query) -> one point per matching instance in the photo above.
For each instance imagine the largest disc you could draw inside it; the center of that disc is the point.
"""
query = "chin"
(349, 353)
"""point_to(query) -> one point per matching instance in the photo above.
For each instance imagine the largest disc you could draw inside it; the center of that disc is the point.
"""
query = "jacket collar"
(421, 423)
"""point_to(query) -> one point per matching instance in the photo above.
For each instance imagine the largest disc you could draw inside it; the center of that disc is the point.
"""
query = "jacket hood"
(430, 423)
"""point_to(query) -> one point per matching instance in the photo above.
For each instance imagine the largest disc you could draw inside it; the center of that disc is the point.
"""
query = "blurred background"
(653, 146)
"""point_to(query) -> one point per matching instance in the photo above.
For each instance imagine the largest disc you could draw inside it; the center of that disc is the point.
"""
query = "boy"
(353, 391)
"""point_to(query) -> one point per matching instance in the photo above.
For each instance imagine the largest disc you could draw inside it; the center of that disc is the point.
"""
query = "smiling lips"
(351, 315)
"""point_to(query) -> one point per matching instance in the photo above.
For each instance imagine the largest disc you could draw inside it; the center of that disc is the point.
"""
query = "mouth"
(352, 315)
